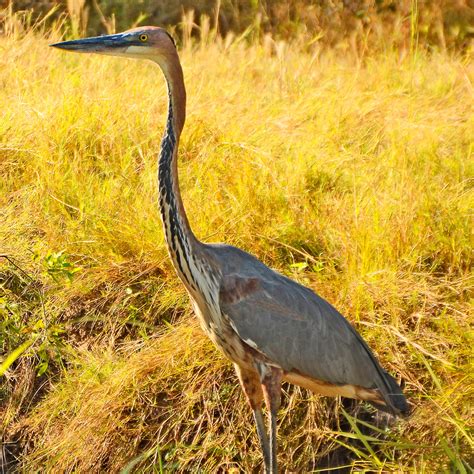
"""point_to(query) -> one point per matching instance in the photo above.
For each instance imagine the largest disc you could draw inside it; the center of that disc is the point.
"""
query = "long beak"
(108, 44)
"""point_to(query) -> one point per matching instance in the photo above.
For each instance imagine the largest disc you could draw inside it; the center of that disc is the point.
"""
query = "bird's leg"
(262, 436)
(250, 382)
(271, 383)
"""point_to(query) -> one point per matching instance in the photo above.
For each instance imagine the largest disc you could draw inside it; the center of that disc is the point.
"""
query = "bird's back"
(297, 329)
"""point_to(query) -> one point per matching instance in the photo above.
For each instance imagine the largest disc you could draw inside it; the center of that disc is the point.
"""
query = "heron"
(272, 328)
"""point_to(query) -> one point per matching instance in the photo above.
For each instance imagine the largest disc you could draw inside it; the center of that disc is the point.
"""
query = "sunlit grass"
(352, 177)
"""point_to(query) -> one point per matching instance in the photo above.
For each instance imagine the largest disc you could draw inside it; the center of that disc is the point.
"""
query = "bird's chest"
(218, 329)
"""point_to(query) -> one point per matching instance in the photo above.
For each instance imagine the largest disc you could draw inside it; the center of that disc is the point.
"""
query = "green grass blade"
(14, 355)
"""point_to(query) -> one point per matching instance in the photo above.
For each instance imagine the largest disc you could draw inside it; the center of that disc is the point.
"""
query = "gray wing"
(298, 330)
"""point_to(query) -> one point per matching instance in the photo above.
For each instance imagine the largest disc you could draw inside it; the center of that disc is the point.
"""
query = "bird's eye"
(143, 38)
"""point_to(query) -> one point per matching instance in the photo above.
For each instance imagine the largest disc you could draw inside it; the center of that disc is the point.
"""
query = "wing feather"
(297, 329)
(300, 331)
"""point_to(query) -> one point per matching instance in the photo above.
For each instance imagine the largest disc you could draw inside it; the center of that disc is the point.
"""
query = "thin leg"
(271, 384)
(250, 382)
(273, 442)
(262, 436)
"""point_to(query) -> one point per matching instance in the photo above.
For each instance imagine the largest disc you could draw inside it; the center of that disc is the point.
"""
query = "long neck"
(182, 244)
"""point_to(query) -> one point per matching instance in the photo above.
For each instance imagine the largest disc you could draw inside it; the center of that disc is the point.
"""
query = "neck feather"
(182, 243)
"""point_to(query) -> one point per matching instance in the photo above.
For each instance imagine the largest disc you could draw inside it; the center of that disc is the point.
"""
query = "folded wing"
(300, 331)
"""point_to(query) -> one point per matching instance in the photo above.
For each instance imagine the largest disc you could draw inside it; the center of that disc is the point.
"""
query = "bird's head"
(147, 42)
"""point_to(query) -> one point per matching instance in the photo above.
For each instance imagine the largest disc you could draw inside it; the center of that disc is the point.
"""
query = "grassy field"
(352, 175)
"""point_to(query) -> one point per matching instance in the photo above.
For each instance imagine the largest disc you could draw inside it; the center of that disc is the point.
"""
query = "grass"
(351, 175)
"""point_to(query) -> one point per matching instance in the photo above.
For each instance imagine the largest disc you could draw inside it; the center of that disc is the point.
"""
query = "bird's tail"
(395, 401)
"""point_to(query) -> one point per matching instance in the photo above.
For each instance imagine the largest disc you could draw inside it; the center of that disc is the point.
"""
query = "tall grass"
(353, 176)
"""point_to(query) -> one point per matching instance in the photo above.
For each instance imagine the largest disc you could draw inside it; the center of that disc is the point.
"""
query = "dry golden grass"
(352, 176)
